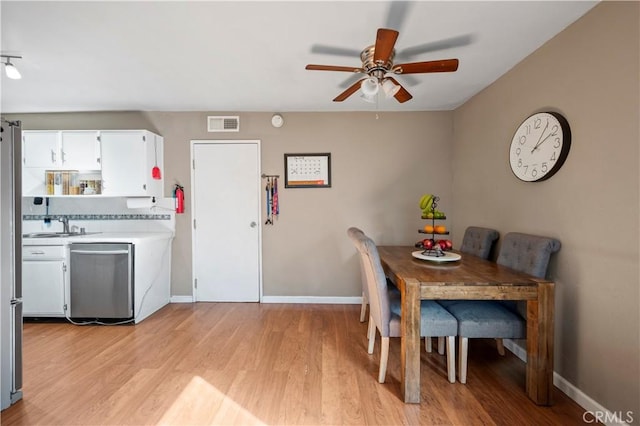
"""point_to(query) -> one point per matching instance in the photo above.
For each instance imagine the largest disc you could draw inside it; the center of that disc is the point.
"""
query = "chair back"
(356, 234)
(376, 281)
(527, 253)
(478, 241)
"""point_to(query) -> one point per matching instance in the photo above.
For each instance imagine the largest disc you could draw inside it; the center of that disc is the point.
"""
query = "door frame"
(192, 204)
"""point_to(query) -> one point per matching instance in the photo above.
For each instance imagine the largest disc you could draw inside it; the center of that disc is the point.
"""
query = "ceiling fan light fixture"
(369, 98)
(370, 87)
(10, 70)
(389, 87)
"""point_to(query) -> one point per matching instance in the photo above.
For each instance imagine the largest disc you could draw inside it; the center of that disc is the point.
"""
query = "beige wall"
(589, 73)
(380, 163)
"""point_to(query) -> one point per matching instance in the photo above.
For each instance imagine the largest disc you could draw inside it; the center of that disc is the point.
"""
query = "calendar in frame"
(307, 170)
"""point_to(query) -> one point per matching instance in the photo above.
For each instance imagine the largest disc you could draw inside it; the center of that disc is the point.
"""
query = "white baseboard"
(594, 410)
(355, 300)
(515, 349)
(181, 299)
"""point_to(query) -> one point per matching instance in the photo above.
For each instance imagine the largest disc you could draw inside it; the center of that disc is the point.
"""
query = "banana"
(429, 205)
(426, 198)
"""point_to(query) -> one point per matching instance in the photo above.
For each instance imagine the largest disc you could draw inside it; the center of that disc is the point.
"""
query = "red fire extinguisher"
(178, 195)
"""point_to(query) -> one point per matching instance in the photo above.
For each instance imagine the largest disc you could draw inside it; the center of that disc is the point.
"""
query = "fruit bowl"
(431, 244)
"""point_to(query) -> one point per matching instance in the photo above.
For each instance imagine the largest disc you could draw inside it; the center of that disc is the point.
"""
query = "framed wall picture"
(307, 170)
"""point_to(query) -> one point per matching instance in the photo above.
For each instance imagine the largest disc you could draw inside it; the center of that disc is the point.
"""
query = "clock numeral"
(528, 128)
(534, 172)
(554, 130)
(536, 123)
(553, 156)
(519, 162)
(557, 144)
(526, 169)
(518, 151)
(522, 140)
(544, 167)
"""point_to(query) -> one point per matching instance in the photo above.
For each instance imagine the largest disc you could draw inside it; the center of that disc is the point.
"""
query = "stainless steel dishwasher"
(101, 280)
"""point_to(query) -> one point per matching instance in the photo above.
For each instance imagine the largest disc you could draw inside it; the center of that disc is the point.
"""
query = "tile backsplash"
(96, 214)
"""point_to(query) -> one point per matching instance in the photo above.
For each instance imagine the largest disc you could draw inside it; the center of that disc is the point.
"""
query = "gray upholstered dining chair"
(435, 320)
(394, 293)
(493, 319)
(477, 241)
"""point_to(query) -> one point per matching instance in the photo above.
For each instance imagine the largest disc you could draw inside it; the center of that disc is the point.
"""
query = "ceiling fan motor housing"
(377, 70)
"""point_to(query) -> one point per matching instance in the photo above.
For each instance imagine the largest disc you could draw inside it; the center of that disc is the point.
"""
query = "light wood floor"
(212, 363)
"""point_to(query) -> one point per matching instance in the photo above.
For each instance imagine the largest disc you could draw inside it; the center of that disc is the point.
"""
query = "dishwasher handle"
(99, 252)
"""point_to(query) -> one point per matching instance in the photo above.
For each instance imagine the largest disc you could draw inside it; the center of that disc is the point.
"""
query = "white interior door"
(226, 228)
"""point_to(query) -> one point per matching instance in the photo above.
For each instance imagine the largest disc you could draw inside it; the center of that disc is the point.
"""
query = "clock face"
(540, 146)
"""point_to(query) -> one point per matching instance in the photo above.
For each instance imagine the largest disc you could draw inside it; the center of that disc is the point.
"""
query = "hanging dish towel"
(275, 207)
(268, 190)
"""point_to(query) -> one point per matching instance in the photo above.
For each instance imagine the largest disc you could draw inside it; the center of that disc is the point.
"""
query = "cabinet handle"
(144, 186)
(53, 156)
(36, 252)
(62, 155)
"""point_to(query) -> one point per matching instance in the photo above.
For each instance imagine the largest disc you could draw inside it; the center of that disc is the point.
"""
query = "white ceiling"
(250, 56)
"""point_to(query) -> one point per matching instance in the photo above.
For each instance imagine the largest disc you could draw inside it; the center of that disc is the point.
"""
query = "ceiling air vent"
(228, 123)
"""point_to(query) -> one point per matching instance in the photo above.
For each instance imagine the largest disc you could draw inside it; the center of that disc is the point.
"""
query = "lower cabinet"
(43, 281)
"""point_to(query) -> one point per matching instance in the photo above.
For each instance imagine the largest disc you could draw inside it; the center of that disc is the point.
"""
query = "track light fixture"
(10, 70)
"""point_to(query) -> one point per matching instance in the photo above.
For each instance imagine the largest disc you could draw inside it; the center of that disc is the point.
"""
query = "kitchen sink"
(56, 234)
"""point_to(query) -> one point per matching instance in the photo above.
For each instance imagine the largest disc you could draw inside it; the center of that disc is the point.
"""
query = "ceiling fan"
(377, 64)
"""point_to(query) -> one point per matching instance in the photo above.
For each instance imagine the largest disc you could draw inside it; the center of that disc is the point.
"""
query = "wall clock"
(540, 146)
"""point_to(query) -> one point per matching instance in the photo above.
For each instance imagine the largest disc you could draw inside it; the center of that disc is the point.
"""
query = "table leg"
(540, 328)
(410, 346)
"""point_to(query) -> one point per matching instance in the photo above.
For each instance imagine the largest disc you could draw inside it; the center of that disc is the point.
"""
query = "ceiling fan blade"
(409, 80)
(332, 50)
(444, 65)
(332, 68)
(432, 46)
(350, 91)
(402, 96)
(385, 40)
(398, 11)
(349, 81)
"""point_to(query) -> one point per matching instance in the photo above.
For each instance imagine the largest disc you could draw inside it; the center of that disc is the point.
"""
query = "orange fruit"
(428, 229)
(441, 229)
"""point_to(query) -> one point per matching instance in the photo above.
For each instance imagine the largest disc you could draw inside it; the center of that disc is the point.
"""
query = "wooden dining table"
(470, 278)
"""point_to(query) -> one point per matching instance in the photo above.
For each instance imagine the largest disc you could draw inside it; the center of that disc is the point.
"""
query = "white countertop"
(100, 237)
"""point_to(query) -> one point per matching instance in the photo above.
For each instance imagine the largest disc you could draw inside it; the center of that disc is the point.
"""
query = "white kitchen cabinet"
(61, 150)
(57, 150)
(128, 157)
(80, 150)
(43, 281)
(41, 148)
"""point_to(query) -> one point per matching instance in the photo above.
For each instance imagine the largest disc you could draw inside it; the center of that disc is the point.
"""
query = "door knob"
(253, 224)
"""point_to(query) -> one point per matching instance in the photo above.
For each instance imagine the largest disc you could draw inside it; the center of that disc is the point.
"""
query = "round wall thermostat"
(277, 120)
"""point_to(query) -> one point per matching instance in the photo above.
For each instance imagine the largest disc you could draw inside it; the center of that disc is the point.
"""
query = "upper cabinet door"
(80, 150)
(124, 158)
(41, 149)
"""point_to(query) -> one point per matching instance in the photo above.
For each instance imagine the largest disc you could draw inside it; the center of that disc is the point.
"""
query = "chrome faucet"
(65, 223)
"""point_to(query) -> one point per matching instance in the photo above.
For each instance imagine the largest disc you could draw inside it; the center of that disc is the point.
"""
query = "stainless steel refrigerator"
(10, 262)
